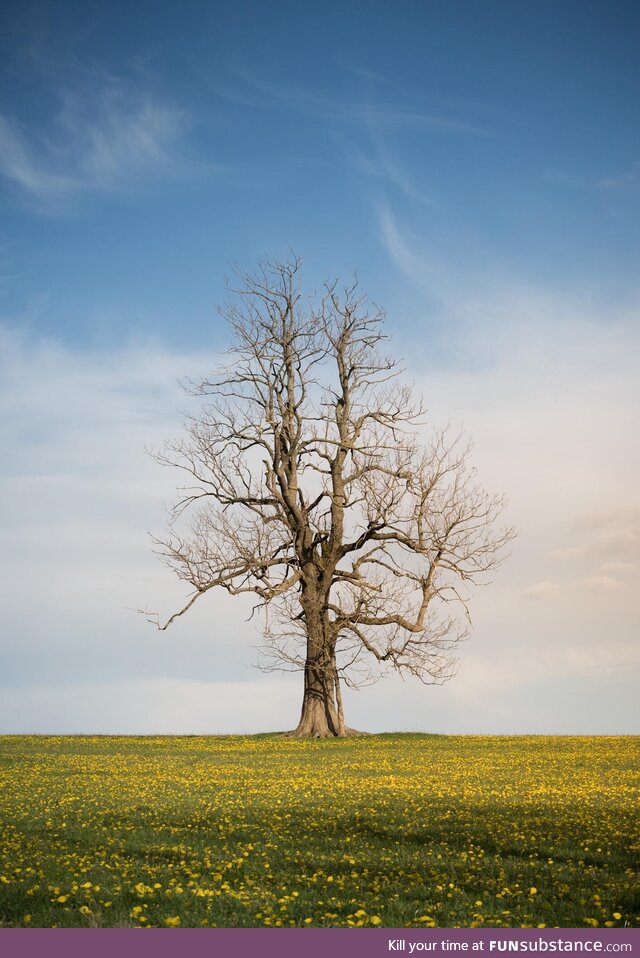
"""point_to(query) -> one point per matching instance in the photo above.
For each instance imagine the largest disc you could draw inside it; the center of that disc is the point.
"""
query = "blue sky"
(478, 164)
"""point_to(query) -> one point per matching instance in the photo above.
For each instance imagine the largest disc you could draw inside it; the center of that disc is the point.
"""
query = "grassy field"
(389, 830)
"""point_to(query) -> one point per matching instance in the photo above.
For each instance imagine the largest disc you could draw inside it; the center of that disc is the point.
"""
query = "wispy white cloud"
(599, 582)
(624, 180)
(365, 123)
(402, 111)
(422, 265)
(19, 162)
(621, 568)
(487, 309)
(110, 137)
(602, 583)
(375, 159)
(568, 553)
(613, 536)
(541, 590)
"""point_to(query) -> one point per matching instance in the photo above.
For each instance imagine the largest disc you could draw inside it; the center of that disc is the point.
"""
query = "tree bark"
(318, 717)
(321, 715)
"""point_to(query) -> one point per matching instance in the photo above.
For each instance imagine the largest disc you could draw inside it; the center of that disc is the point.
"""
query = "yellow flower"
(62, 899)
(375, 920)
(617, 915)
(533, 891)
(172, 922)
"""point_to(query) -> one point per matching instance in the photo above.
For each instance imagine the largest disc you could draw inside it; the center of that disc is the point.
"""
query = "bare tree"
(309, 489)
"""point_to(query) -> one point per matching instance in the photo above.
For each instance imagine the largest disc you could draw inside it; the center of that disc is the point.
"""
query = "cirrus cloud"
(111, 137)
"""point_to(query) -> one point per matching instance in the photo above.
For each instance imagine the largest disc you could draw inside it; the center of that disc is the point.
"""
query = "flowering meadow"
(387, 830)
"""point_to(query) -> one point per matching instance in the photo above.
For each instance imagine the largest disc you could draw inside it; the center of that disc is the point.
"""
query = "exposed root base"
(348, 733)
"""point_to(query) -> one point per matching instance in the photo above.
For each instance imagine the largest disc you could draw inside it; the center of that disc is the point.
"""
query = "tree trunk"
(319, 718)
(321, 715)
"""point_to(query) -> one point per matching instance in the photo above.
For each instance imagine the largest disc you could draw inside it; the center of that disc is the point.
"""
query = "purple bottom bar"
(311, 942)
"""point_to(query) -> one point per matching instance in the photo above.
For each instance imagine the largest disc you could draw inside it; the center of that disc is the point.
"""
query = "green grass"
(390, 830)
